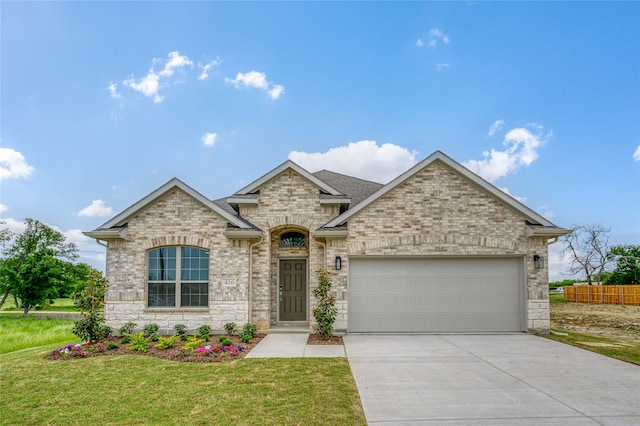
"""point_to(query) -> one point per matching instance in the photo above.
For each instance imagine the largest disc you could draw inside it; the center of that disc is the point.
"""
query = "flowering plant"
(80, 349)
(217, 351)
(71, 351)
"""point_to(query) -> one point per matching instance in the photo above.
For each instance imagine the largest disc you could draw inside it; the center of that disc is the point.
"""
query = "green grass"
(21, 333)
(558, 298)
(58, 305)
(626, 353)
(144, 390)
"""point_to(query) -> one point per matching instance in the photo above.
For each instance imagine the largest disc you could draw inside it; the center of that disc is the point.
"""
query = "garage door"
(436, 295)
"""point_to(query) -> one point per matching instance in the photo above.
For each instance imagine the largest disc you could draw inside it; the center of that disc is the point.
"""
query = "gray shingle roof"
(354, 188)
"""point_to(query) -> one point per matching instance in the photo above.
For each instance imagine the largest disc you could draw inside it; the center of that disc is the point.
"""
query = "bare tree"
(588, 249)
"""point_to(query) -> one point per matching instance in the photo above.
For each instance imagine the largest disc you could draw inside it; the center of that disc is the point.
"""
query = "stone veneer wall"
(438, 212)
(177, 219)
(288, 202)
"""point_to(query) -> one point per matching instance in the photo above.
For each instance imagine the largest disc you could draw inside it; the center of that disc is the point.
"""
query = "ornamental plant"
(204, 331)
(90, 300)
(325, 313)
(167, 342)
(151, 331)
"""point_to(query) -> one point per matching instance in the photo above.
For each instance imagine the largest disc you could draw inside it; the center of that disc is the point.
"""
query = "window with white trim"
(178, 277)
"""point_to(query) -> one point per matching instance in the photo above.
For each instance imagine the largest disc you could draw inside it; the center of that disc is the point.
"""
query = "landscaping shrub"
(230, 328)
(204, 331)
(127, 328)
(167, 342)
(90, 301)
(138, 342)
(325, 313)
(224, 341)
(151, 331)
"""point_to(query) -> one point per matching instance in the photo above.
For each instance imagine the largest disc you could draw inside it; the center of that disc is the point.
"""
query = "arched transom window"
(293, 239)
(178, 277)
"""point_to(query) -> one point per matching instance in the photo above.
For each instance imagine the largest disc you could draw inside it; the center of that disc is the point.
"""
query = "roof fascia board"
(256, 184)
(119, 234)
(457, 167)
(241, 200)
(122, 218)
(534, 231)
(329, 201)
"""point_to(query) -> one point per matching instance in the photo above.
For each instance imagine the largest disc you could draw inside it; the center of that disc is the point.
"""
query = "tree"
(627, 259)
(32, 264)
(587, 250)
(90, 300)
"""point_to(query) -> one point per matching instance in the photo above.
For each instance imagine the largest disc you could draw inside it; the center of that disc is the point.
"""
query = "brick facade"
(435, 212)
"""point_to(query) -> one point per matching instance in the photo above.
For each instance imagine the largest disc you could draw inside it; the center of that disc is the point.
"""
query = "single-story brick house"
(438, 249)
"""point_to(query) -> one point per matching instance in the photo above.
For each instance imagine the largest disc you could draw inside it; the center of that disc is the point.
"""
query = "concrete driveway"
(515, 379)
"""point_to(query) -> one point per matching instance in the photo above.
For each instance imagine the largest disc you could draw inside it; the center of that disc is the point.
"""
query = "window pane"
(162, 264)
(194, 294)
(195, 264)
(293, 239)
(162, 294)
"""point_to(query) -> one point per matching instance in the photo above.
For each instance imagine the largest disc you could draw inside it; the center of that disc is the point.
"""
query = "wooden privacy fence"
(609, 294)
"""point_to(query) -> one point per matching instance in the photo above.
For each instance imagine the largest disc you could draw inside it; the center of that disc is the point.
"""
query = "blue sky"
(103, 102)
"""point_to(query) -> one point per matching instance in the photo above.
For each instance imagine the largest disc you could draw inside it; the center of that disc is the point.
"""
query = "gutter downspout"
(251, 246)
(101, 244)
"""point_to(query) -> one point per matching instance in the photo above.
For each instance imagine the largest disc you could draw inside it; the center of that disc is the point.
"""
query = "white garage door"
(435, 295)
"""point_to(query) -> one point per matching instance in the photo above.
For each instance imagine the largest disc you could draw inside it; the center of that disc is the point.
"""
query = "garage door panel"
(435, 295)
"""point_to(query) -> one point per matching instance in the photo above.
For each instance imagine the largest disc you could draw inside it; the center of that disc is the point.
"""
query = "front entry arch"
(292, 290)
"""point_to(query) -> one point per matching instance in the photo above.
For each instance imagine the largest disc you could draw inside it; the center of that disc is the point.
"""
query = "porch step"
(286, 328)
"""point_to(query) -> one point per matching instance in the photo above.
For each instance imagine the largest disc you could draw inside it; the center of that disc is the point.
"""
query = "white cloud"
(441, 67)
(363, 159)
(258, 80)
(546, 212)
(175, 61)
(521, 150)
(206, 67)
(210, 139)
(636, 154)
(496, 127)
(150, 84)
(437, 36)
(276, 91)
(97, 208)
(13, 165)
(419, 42)
(3, 208)
(15, 226)
(113, 90)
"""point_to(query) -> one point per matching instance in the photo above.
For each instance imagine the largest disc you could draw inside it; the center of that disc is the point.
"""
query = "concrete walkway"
(293, 345)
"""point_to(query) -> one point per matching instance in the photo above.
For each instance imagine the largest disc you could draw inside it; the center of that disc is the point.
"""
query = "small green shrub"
(167, 342)
(138, 342)
(224, 341)
(151, 331)
(245, 338)
(180, 329)
(127, 328)
(204, 331)
(250, 330)
(230, 328)
(184, 337)
(192, 343)
(325, 313)
(111, 346)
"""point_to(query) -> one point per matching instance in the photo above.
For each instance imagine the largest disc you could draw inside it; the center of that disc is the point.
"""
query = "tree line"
(37, 265)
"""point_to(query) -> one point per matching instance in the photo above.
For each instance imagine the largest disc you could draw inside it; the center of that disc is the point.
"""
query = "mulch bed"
(316, 339)
(173, 354)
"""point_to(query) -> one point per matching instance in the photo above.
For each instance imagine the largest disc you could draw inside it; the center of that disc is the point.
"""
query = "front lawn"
(143, 390)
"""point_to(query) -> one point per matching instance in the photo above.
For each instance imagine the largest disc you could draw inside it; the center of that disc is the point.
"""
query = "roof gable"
(530, 215)
(124, 216)
(255, 185)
